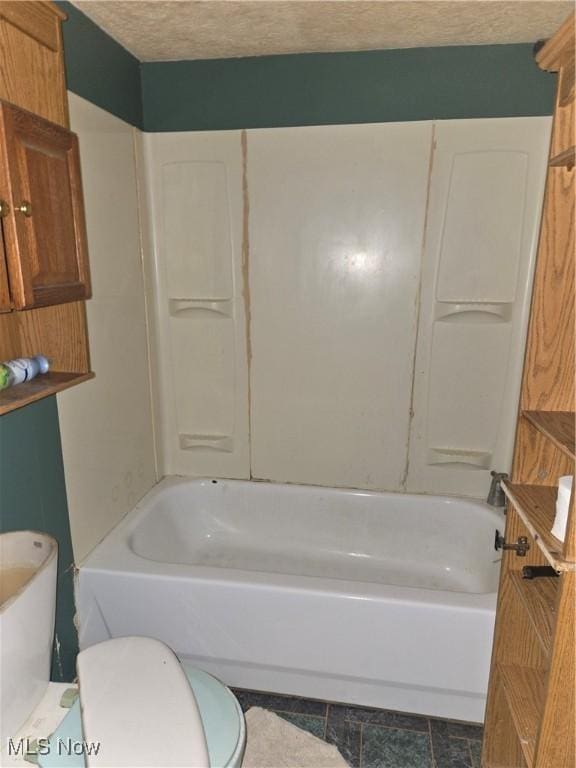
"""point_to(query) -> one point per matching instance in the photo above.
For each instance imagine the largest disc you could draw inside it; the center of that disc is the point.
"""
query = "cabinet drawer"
(44, 229)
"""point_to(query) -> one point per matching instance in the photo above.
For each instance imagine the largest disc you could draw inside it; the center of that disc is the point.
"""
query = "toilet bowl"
(138, 704)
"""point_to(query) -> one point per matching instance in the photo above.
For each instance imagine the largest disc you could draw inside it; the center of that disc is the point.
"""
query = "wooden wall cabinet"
(43, 210)
(44, 273)
(531, 709)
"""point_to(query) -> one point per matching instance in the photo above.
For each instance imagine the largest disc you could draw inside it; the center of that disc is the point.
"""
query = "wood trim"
(567, 78)
(20, 290)
(539, 597)
(538, 460)
(58, 331)
(536, 506)
(524, 690)
(53, 8)
(548, 383)
(566, 159)
(570, 538)
(5, 298)
(39, 20)
(62, 71)
(550, 57)
(556, 744)
(558, 426)
(80, 218)
(40, 387)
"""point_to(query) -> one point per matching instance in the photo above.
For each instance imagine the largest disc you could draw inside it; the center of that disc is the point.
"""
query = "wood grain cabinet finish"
(5, 300)
(531, 709)
(31, 58)
(44, 230)
(43, 263)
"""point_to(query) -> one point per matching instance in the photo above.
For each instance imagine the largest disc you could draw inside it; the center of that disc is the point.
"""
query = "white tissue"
(562, 504)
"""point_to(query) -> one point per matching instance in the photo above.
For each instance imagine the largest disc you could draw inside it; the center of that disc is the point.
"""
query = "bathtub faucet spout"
(496, 496)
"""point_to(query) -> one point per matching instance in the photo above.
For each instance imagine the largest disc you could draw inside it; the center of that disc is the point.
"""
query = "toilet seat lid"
(221, 716)
(137, 702)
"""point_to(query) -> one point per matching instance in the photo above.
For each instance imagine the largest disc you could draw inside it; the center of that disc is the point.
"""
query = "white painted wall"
(106, 424)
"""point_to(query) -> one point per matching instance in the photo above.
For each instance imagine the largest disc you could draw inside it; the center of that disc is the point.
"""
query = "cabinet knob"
(4, 209)
(25, 207)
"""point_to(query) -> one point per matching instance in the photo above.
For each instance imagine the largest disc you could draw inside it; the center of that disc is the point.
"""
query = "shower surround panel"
(343, 305)
(483, 221)
(195, 191)
(336, 229)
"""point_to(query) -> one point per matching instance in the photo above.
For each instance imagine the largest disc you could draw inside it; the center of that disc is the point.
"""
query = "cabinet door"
(45, 231)
(5, 302)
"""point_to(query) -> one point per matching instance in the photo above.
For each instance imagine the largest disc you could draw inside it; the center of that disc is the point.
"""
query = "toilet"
(138, 705)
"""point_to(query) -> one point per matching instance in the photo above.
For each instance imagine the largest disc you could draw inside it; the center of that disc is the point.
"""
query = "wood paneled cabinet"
(42, 211)
(44, 275)
(531, 710)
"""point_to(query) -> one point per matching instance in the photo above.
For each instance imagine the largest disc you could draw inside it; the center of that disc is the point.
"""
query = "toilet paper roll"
(562, 504)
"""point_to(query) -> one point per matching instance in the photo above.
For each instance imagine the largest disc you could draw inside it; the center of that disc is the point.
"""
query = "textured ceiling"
(155, 30)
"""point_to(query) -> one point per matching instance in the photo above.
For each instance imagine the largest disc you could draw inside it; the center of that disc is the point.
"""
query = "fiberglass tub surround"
(405, 249)
(370, 598)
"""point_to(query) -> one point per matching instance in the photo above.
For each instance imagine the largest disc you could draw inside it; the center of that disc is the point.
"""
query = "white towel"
(272, 742)
(562, 506)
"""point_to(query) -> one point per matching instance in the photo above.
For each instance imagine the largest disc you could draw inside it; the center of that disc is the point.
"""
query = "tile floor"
(377, 738)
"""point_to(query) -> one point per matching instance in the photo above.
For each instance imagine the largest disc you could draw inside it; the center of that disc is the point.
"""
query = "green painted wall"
(33, 496)
(321, 89)
(99, 69)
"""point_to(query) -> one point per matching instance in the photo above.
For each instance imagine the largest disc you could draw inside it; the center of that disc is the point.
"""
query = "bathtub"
(377, 599)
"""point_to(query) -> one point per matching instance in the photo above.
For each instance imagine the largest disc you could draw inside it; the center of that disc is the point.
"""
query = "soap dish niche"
(459, 458)
(473, 312)
(220, 443)
(189, 307)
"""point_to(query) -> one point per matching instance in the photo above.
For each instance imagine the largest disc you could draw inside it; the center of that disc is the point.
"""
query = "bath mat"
(275, 743)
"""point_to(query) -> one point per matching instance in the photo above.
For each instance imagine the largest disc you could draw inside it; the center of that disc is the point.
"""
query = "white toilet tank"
(28, 563)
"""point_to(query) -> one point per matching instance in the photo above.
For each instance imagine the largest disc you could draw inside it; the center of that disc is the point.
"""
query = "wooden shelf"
(539, 599)
(524, 689)
(536, 506)
(42, 386)
(531, 707)
(558, 426)
(565, 159)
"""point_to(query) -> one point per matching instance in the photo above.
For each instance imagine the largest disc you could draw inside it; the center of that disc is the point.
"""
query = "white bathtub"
(378, 599)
